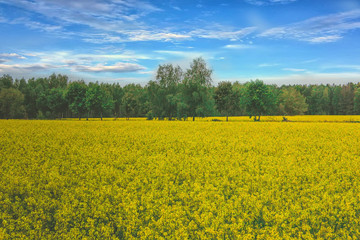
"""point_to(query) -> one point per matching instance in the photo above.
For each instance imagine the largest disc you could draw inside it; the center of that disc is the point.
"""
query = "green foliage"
(164, 92)
(357, 101)
(133, 100)
(292, 102)
(227, 99)
(11, 103)
(196, 84)
(76, 97)
(6, 81)
(175, 93)
(259, 100)
(98, 100)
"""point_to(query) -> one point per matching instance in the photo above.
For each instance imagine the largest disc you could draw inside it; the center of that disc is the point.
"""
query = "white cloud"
(331, 38)
(120, 67)
(343, 66)
(269, 2)
(329, 28)
(268, 65)
(238, 46)
(222, 34)
(314, 78)
(156, 36)
(294, 69)
(187, 54)
(12, 55)
(110, 16)
(23, 68)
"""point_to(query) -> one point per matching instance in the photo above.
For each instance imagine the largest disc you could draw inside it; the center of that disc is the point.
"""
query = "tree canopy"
(173, 93)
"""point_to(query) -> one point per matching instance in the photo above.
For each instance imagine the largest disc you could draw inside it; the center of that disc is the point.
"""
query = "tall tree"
(98, 99)
(133, 101)
(196, 84)
(319, 100)
(117, 94)
(227, 100)
(259, 100)
(347, 99)
(167, 77)
(292, 102)
(76, 97)
(6, 81)
(11, 103)
(357, 100)
(56, 102)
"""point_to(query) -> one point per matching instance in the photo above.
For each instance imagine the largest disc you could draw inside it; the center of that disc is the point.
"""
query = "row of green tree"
(174, 94)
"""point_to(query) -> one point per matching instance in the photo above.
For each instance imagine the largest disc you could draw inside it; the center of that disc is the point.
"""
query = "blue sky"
(278, 41)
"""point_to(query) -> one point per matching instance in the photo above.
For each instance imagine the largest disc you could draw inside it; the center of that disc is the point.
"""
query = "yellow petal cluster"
(179, 180)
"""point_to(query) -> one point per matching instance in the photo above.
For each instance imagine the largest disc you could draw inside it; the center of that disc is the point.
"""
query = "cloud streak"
(269, 2)
(116, 68)
(323, 29)
(12, 55)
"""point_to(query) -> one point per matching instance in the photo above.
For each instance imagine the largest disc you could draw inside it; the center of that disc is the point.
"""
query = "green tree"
(357, 100)
(168, 78)
(334, 98)
(196, 84)
(117, 94)
(11, 103)
(134, 101)
(98, 99)
(56, 102)
(76, 97)
(347, 99)
(258, 99)
(6, 81)
(226, 99)
(292, 102)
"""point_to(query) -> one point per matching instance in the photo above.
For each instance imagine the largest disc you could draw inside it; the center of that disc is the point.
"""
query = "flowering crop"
(179, 180)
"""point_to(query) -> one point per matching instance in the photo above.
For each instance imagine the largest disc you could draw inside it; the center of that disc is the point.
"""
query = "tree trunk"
(227, 117)
(193, 118)
(101, 116)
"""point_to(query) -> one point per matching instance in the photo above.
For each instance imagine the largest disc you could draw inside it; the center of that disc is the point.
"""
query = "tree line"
(173, 94)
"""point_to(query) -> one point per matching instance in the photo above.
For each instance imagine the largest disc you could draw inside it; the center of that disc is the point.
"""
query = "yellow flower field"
(179, 180)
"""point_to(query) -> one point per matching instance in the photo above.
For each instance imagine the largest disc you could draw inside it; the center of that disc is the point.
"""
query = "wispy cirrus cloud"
(69, 61)
(24, 68)
(12, 55)
(113, 21)
(329, 28)
(294, 69)
(313, 78)
(238, 46)
(269, 2)
(216, 33)
(119, 67)
(263, 65)
(187, 54)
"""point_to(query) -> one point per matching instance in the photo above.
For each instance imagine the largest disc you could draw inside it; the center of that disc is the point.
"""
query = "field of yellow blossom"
(179, 180)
